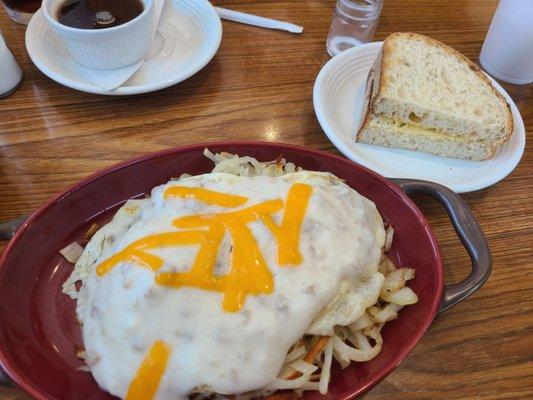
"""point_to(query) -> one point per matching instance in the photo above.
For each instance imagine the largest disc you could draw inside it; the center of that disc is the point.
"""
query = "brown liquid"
(26, 6)
(98, 14)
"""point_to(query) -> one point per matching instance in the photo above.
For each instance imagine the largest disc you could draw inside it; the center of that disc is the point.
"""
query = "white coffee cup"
(10, 71)
(507, 53)
(107, 48)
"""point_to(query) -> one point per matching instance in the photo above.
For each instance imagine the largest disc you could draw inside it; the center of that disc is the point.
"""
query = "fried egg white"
(124, 311)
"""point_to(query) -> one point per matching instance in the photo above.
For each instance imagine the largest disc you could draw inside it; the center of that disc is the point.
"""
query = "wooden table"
(259, 86)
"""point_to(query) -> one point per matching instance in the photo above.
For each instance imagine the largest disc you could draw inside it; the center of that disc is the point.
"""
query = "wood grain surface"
(259, 86)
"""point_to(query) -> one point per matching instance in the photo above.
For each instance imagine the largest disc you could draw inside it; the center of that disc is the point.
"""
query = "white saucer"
(187, 38)
(338, 98)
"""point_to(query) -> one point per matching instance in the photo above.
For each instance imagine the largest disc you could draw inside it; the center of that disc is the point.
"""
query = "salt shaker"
(10, 71)
(354, 23)
(507, 52)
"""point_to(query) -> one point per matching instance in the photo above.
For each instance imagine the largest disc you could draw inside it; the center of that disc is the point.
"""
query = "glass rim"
(370, 6)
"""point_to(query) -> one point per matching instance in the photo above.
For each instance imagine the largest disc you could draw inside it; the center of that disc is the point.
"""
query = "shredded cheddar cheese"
(249, 273)
(206, 196)
(146, 382)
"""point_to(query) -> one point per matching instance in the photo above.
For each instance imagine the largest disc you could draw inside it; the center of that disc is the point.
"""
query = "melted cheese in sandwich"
(423, 131)
(206, 285)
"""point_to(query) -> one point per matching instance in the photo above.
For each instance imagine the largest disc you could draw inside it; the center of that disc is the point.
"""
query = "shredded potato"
(363, 322)
(283, 384)
(326, 368)
(388, 313)
(304, 367)
(386, 266)
(296, 353)
(248, 166)
(91, 231)
(403, 296)
(388, 239)
(395, 280)
(72, 252)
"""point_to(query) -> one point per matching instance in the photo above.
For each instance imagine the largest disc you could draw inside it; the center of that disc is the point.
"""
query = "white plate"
(338, 98)
(187, 38)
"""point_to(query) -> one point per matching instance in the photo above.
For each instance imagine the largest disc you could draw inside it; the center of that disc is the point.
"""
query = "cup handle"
(469, 232)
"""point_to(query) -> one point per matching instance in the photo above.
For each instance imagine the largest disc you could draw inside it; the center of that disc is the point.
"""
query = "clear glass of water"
(354, 23)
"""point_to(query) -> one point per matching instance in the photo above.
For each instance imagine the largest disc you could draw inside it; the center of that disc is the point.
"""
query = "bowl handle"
(8, 228)
(4, 380)
(469, 232)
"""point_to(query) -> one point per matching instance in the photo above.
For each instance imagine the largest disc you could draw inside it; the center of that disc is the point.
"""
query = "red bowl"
(39, 334)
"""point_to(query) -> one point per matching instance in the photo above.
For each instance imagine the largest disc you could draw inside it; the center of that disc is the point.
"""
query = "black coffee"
(98, 14)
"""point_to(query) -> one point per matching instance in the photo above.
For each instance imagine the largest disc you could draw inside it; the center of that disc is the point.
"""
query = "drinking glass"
(354, 23)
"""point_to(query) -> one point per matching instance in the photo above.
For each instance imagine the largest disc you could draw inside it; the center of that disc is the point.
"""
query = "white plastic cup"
(10, 71)
(507, 52)
(108, 48)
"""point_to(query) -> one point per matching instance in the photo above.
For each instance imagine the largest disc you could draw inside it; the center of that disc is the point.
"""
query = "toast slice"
(434, 98)
(390, 133)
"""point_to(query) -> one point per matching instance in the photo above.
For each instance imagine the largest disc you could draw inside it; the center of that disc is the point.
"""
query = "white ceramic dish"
(187, 38)
(338, 98)
(104, 49)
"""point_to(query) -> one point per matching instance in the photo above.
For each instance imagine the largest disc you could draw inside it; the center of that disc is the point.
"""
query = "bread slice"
(390, 133)
(424, 84)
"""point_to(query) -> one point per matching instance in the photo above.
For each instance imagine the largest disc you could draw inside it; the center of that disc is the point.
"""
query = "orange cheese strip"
(146, 382)
(206, 196)
(288, 233)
